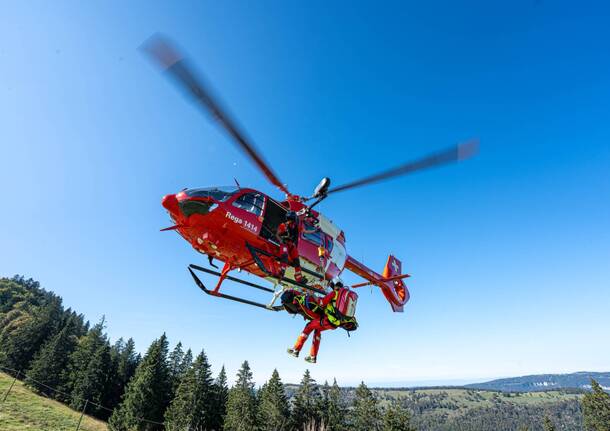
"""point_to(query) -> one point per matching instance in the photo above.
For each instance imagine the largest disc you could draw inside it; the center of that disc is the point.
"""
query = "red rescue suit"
(317, 326)
(288, 234)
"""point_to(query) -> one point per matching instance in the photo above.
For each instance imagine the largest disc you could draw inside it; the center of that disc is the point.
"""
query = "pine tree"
(366, 414)
(128, 362)
(241, 402)
(306, 403)
(273, 408)
(89, 369)
(548, 424)
(24, 337)
(111, 392)
(80, 358)
(50, 362)
(93, 383)
(175, 362)
(397, 418)
(185, 365)
(124, 361)
(147, 394)
(192, 407)
(79, 328)
(334, 414)
(596, 408)
(322, 407)
(221, 393)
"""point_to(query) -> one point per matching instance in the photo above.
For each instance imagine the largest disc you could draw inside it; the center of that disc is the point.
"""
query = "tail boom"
(390, 281)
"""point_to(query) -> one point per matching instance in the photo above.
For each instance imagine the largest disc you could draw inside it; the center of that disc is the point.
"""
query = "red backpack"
(346, 302)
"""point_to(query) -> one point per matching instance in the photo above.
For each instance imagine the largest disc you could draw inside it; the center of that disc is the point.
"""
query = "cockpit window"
(219, 194)
(314, 236)
(251, 202)
(329, 244)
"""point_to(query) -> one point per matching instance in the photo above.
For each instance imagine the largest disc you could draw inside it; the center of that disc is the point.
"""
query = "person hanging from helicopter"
(288, 238)
(335, 309)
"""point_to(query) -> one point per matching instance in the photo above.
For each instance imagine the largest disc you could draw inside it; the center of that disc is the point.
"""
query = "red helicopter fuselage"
(219, 222)
(228, 223)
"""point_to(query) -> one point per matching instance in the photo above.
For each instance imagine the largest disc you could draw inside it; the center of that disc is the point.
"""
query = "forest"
(59, 354)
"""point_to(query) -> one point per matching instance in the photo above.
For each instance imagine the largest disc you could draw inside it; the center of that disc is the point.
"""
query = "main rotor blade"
(453, 154)
(172, 62)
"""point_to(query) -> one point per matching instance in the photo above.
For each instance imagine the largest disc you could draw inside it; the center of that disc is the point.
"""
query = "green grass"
(24, 410)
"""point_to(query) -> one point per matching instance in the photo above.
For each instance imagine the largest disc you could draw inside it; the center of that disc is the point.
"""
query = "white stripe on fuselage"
(338, 255)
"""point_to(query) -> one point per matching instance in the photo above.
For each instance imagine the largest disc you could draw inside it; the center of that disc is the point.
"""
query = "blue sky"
(509, 252)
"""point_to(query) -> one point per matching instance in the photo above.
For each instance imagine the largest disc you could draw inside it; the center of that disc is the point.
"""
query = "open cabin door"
(274, 215)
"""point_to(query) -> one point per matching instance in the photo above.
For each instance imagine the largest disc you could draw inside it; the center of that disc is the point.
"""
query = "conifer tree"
(82, 379)
(147, 394)
(548, 424)
(185, 365)
(306, 404)
(79, 328)
(241, 402)
(111, 393)
(187, 361)
(93, 382)
(85, 349)
(334, 413)
(273, 408)
(193, 404)
(596, 408)
(128, 362)
(124, 361)
(221, 393)
(21, 340)
(397, 418)
(50, 362)
(174, 363)
(322, 407)
(366, 414)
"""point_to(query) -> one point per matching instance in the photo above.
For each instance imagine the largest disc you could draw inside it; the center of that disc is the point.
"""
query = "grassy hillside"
(24, 410)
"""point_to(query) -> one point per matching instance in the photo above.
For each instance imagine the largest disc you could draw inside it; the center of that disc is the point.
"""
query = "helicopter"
(238, 225)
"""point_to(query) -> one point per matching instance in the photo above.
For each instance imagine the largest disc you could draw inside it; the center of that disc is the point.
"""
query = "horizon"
(508, 252)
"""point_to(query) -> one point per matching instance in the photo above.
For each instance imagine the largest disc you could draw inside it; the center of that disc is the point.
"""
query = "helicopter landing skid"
(230, 297)
(256, 253)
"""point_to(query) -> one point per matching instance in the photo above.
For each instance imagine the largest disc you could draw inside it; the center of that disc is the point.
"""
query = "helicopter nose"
(170, 203)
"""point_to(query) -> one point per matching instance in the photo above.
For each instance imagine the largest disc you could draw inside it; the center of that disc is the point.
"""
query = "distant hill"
(481, 410)
(545, 382)
(467, 409)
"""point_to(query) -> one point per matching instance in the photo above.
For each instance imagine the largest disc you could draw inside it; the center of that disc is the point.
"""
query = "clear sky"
(509, 252)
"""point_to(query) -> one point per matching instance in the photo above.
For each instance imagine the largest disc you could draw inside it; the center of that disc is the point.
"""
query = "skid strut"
(256, 258)
(230, 297)
(255, 252)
